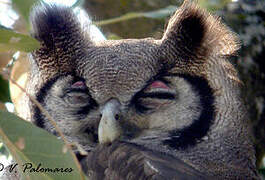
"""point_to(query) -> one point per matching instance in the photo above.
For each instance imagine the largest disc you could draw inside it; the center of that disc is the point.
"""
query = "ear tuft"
(51, 21)
(194, 34)
(62, 39)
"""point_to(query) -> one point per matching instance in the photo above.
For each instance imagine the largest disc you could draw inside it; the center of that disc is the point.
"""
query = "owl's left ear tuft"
(194, 34)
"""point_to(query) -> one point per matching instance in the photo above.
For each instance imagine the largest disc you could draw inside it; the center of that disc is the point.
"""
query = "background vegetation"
(138, 19)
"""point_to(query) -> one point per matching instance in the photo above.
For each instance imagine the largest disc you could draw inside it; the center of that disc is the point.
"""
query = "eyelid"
(77, 98)
(158, 85)
(159, 95)
(79, 84)
(73, 90)
(75, 93)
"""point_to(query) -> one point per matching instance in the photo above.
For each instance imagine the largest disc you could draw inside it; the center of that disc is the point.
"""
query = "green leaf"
(124, 17)
(113, 37)
(160, 13)
(29, 144)
(4, 91)
(24, 6)
(213, 5)
(10, 40)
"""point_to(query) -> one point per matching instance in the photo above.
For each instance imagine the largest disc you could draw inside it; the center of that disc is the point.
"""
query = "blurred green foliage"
(10, 40)
(28, 144)
(160, 13)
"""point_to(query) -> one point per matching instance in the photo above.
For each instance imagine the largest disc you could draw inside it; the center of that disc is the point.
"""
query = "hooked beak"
(109, 128)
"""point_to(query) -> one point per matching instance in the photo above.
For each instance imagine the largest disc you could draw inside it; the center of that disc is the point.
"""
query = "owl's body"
(144, 109)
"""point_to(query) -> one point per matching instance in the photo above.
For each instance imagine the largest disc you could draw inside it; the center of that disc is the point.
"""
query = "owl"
(166, 108)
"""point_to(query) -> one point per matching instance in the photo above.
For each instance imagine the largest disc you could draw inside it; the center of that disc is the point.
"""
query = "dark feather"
(122, 160)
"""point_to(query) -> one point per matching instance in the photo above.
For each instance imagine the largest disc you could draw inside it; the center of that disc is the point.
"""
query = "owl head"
(178, 94)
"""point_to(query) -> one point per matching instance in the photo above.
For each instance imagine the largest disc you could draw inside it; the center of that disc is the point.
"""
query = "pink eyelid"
(79, 84)
(159, 84)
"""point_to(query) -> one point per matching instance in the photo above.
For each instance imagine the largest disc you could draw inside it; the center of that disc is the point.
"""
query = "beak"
(109, 127)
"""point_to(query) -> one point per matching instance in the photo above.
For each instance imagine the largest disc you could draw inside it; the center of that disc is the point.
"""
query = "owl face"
(122, 94)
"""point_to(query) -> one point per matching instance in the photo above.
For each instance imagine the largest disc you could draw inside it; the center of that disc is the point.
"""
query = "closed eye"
(152, 96)
(77, 98)
(77, 95)
(158, 95)
(159, 89)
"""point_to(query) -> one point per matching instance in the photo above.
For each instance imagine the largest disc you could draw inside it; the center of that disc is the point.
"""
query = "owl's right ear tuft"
(194, 35)
(61, 37)
(52, 22)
